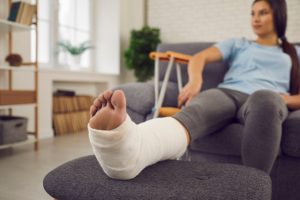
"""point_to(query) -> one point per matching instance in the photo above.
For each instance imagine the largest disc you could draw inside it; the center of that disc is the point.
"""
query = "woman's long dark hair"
(280, 22)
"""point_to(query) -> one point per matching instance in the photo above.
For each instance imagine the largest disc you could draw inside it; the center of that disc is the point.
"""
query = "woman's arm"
(292, 101)
(195, 70)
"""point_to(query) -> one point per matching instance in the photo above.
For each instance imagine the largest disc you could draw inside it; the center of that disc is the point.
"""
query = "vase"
(74, 61)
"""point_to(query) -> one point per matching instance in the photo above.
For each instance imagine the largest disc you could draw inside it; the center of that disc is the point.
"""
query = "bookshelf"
(71, 113)
(8, 26)
(11, 97)
(7, 68)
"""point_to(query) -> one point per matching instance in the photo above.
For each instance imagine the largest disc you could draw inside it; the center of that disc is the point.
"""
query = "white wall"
(214, 20)
(107, 36)
(132, 17)
(114, 21)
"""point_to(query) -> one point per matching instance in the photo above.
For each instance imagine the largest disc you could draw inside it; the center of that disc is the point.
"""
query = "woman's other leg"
(262, 114)
(210, 111)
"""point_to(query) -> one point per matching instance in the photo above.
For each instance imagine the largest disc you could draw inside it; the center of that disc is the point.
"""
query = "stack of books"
(22, 12)
(71, 113)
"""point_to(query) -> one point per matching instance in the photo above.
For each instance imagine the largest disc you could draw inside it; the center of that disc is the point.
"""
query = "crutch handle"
(179, 57)
(168, 111)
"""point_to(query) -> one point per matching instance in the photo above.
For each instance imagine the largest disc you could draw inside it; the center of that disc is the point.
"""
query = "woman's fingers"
(182, 97)
(181, 102)
(190, 90)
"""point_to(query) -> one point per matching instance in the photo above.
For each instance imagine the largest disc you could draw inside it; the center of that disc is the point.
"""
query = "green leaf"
(142, 42)
(66, 46)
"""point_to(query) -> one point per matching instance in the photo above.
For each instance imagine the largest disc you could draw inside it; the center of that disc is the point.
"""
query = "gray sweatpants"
(262, 114)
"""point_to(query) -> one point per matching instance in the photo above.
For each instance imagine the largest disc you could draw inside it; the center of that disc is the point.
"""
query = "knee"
(266, 98)
(268, 102)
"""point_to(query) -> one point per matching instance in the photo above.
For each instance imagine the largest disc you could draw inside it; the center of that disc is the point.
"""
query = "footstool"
(83, 179)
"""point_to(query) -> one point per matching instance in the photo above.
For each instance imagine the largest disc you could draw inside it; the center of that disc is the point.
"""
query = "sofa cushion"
(227, 141)
(290, 142)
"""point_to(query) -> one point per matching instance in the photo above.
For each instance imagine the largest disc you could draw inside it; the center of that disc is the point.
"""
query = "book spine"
(14, 11)
(24, 13)
(20, 11)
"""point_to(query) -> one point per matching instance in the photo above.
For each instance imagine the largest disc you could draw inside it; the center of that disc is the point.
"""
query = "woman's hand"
(285, 97)
(292, 101)
(195, 69)
(190, 90)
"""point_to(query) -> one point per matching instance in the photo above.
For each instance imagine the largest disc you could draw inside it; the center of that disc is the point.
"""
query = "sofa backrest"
(298, 50)
(213, 73)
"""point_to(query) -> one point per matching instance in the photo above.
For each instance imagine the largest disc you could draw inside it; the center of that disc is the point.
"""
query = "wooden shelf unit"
(31, 139)
(9, 27)
(20, 68)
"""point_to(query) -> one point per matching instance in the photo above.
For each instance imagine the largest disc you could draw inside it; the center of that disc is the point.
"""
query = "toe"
(118, 100)
(104, 98)
(107, 95)
(97, 103)
(93, 110)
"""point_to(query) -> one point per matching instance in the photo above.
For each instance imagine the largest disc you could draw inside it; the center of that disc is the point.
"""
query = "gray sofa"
(223, 146)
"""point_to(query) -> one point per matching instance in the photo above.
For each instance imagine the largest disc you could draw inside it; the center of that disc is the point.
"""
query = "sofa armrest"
(140, 96)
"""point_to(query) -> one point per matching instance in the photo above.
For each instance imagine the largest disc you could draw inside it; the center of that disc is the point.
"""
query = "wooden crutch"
(172, 57)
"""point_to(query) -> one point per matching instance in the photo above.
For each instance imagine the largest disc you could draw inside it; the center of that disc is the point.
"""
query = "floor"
(22, 169)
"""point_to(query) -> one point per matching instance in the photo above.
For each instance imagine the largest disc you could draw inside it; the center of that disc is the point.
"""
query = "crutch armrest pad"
(179, 57)
(159, 55)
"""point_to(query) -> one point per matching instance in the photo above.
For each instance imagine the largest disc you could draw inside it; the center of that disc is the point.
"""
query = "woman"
(260, 86)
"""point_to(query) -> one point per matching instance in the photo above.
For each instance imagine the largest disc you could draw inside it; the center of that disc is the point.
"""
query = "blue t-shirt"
(255, 67)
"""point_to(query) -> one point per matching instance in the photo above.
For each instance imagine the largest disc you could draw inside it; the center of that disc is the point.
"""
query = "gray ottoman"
(83, 179)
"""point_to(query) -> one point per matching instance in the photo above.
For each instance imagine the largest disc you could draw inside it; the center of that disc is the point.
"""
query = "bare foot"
(108, 110)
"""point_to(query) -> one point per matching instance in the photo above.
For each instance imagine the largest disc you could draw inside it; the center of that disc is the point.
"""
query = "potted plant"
(142, 42)
(74, 51)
